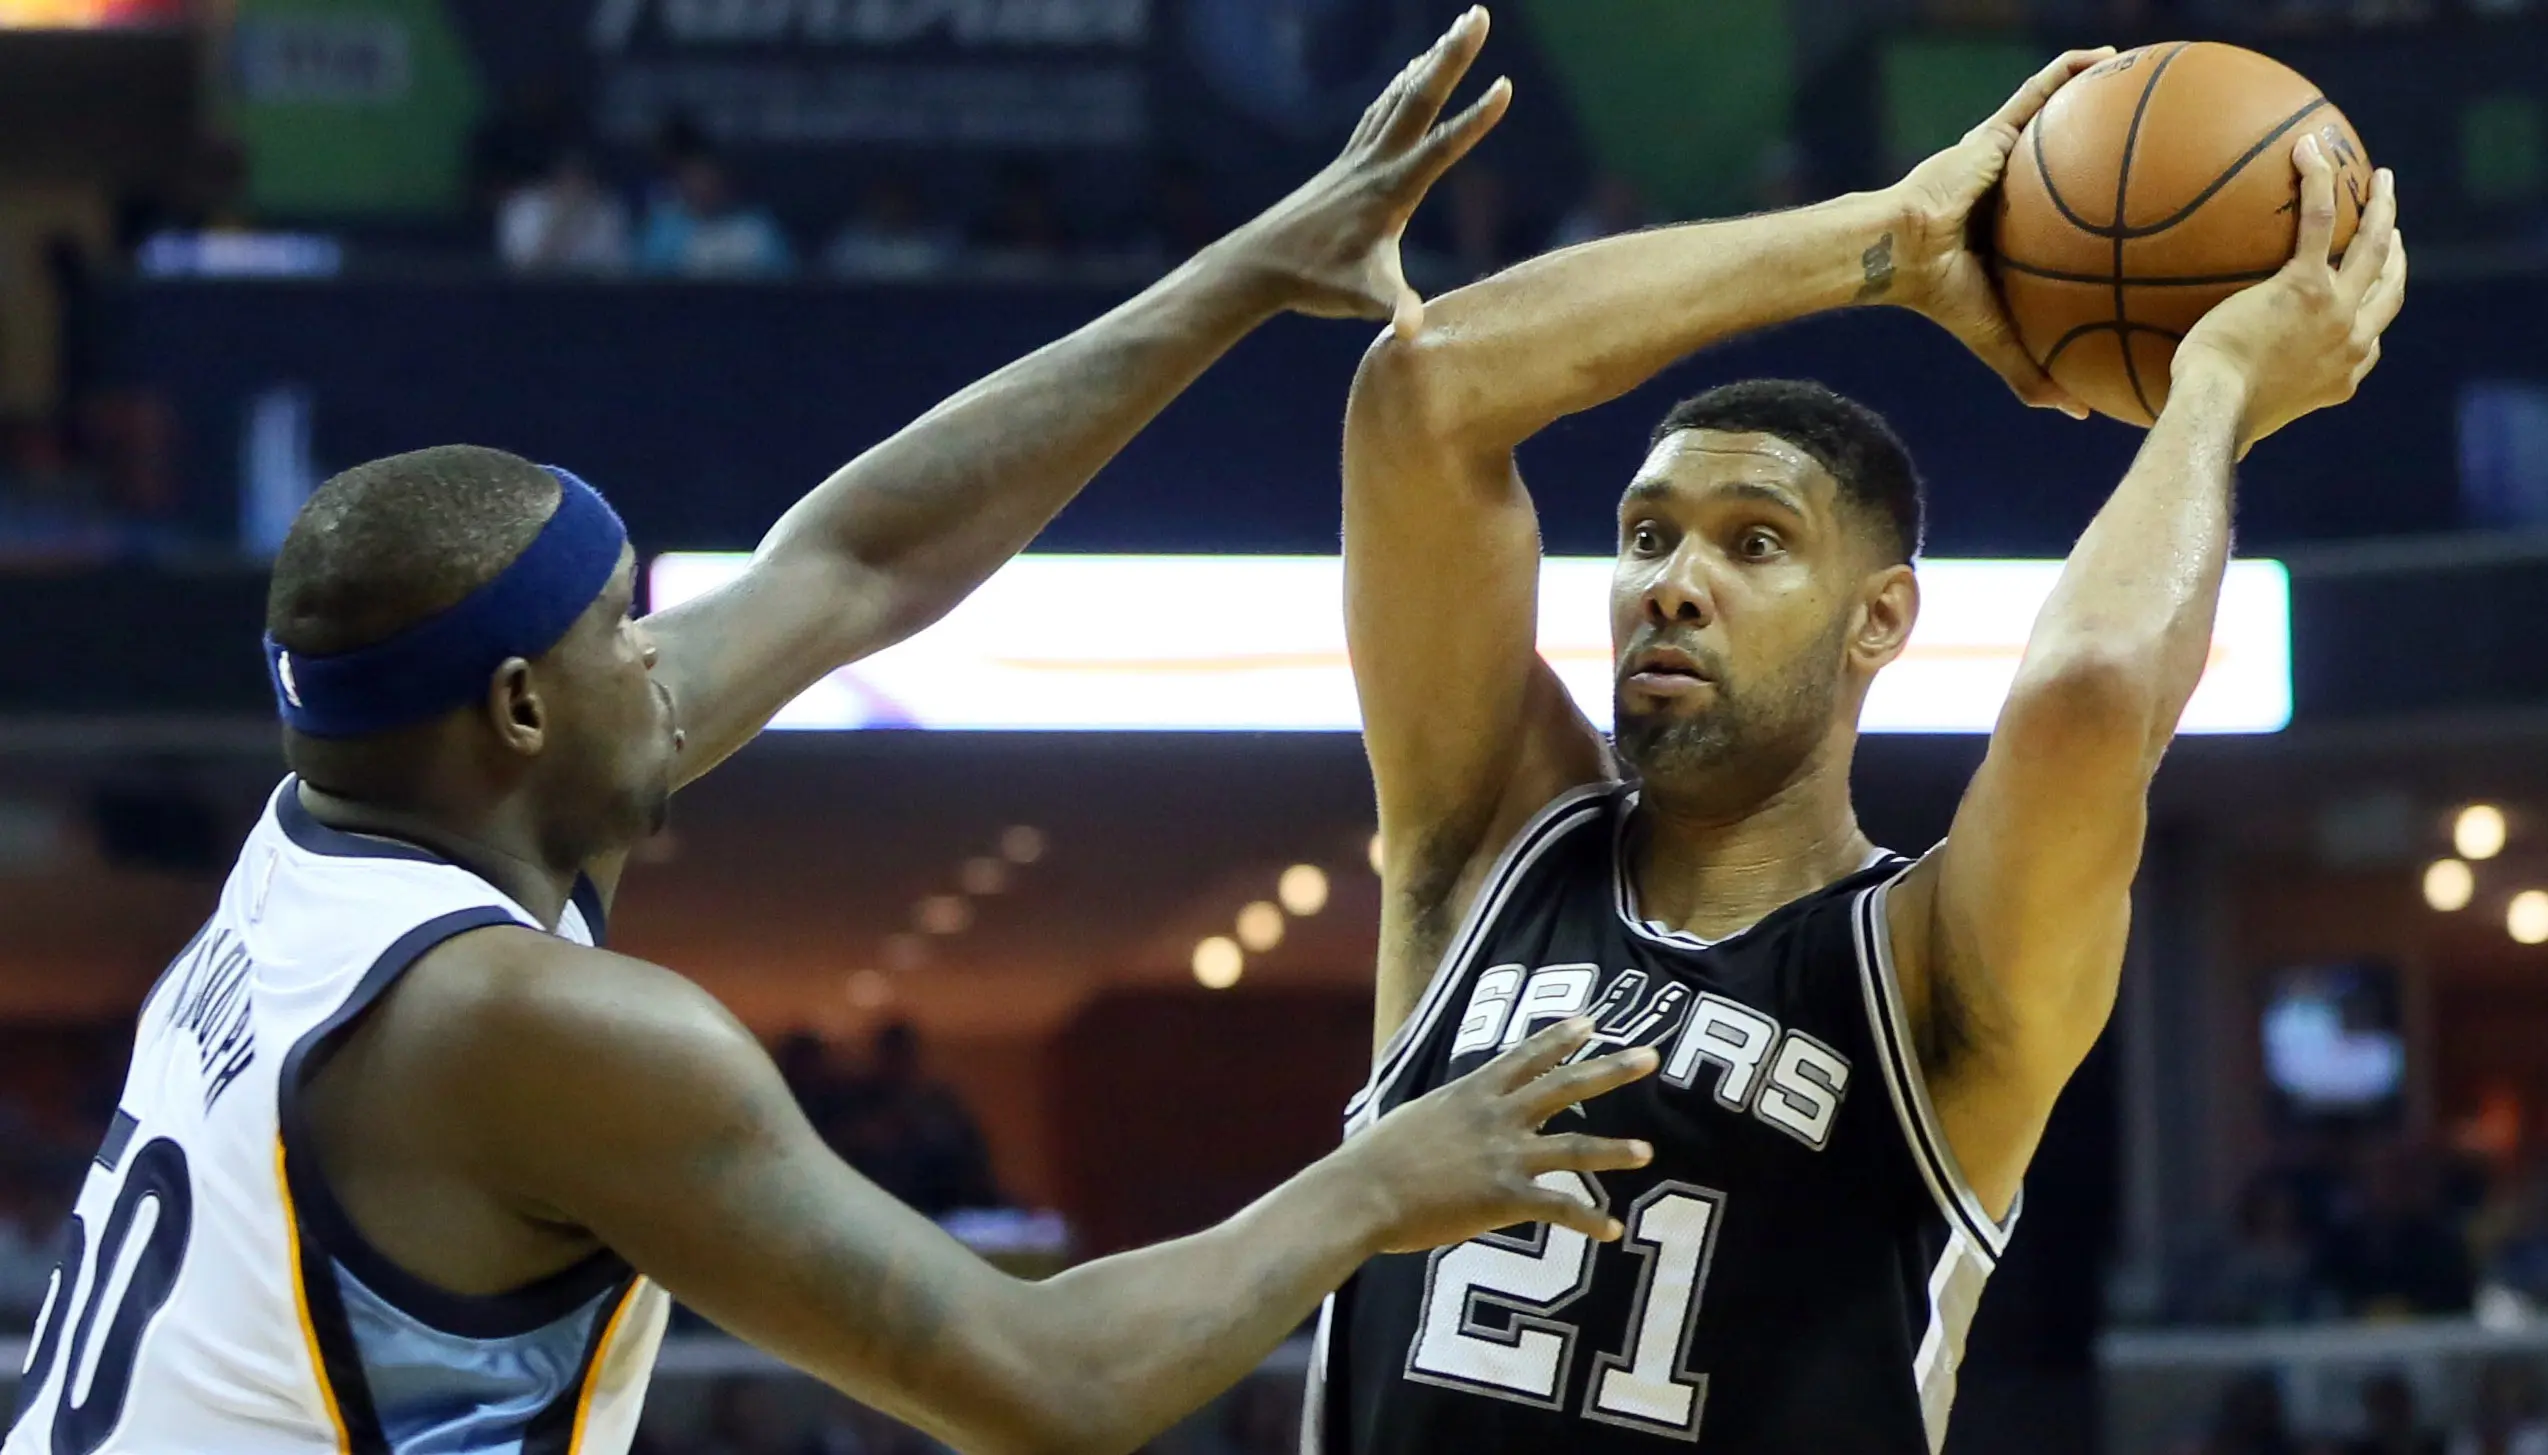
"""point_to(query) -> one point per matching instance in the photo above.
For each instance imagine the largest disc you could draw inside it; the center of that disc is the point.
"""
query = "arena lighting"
(943, 914)
(1260, 927)
(2478, 833)
(982, 876)
(1021, 844)
(2526, 919)
(1218, 962)
(2449, 884)
(1302, 889)
(1119, 643)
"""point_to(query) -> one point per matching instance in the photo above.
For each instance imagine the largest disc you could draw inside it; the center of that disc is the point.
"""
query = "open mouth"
(1664, 671)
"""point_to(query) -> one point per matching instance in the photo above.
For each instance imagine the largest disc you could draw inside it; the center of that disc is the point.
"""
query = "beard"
(1750, 739)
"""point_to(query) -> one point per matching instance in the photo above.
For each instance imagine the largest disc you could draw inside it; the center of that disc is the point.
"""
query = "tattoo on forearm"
(1876, 265)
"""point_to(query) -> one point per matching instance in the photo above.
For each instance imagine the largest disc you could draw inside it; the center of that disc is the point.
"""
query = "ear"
(1890, 607)
(515, 710)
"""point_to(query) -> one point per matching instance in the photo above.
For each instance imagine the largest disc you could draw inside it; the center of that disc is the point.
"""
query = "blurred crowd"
(554, 211)
(2510, 1417)
(2346, 1228)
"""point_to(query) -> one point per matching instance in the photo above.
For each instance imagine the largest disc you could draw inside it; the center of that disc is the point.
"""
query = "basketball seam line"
(2225, 178)
(2187, 280)
(2122, 197)
(2123, 329)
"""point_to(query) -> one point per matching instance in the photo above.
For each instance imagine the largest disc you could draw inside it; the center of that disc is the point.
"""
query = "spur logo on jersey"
(1743, 1058)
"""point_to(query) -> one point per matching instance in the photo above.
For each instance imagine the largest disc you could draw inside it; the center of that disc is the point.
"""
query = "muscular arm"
(898, 536)
(2011, 937)
(1469, 732)
(591, 1091)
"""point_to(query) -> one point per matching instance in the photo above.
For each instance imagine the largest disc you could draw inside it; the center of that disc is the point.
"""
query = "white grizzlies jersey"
(212, 1297)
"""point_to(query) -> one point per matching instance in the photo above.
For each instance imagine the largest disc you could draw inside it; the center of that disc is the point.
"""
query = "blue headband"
(446, 660)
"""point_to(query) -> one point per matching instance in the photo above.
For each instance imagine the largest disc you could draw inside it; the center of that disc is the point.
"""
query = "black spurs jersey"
(1802, 1258)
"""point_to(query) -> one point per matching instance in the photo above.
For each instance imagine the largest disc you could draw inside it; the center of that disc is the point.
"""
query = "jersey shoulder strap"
(1564, 817)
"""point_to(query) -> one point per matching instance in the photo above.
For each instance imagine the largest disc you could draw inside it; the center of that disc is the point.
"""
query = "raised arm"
(898, 536)
(1468, 731)
(2010, 937)
(663, 1129)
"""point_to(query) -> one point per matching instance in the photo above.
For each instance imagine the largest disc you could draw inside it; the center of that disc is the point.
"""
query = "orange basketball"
(2150, 188)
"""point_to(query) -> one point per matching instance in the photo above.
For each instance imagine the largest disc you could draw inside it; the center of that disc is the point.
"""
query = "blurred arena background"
(1082, 987)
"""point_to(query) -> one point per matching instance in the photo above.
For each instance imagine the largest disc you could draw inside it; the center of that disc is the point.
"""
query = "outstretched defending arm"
(665, 1131)
(2010, 938)
(902, 533)
(1469, 732)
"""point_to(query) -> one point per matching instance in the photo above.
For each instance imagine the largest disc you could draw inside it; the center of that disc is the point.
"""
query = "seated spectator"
(696, 228)
(913, 1136)
(891, 238)
(2397, 1257)
(2391, 1425)
(2269, 1273)
(2250, 1420)
(2509, 1417)
(565, 221)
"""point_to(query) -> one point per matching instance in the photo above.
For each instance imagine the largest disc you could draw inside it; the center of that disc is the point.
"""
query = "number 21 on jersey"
(1491, 1306)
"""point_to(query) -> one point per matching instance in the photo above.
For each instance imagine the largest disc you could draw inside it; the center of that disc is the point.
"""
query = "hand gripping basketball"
(2303, 339)
(1947, 279)
(1466, 1158)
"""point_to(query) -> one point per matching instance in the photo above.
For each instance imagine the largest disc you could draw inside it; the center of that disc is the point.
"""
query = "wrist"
(1893, 234)
(2205, 383)
(1350, 1199)
(1236, 270)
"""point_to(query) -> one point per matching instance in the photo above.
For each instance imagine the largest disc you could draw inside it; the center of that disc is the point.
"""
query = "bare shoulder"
(501, 1021)
(508, 988)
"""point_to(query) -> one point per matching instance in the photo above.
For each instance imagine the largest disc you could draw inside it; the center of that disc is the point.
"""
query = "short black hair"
(385, 545)
(1845, 437)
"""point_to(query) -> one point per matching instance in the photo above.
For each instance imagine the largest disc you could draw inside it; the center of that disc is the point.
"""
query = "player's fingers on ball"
(1577, 1152)
(2387, 293)
(2317, 202)
(1453, 139)
(1539, 1055)
(2030, 98)
(2367, 256)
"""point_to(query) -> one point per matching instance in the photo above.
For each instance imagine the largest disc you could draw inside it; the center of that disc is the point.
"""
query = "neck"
(498, 846)
(1714, 872)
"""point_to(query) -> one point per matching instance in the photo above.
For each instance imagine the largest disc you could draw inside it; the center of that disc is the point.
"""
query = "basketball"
(2152, 187)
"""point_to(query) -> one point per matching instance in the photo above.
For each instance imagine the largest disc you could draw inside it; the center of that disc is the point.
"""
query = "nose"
(1677, 595)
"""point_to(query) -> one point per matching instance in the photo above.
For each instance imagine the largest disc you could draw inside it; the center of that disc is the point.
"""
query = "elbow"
(1406, 388)
(2092, 703)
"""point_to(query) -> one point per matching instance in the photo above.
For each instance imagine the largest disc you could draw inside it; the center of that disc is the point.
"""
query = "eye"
(1758, 543)
(1644, 539)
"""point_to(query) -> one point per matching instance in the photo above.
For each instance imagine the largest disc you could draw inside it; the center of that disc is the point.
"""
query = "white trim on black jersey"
(1545, 828)
(1900, 1058)
(1623, 889)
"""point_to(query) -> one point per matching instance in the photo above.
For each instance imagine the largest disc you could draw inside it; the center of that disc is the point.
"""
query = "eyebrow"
(1653, 488)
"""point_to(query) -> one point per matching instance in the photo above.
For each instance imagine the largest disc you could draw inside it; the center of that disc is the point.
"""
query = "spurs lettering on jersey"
(1752, 1067)
(1800, 1260)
